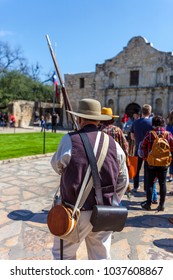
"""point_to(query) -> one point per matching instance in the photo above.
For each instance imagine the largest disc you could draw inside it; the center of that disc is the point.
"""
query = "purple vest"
(73, 174)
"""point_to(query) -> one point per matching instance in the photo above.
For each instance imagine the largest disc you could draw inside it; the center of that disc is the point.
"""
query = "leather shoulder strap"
(94, 169)
(99, 165)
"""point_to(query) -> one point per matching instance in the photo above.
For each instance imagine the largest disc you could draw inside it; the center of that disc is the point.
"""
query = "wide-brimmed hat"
(90, 109)
(108, 111)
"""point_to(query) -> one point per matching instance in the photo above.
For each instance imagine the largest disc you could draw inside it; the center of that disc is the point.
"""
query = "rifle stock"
(65, 95)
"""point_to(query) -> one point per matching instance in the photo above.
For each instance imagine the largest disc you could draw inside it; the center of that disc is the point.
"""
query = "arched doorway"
(131, 108)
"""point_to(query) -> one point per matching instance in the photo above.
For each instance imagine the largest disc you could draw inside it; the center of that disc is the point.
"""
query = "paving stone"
(10, 230)
(12, 241)
(27, 187)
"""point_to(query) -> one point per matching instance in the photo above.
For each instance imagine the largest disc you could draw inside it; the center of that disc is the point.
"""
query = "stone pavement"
(12, 130)
(27, 187)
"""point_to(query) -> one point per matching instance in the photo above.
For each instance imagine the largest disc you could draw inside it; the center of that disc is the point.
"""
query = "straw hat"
(90, 109)
(108, 111)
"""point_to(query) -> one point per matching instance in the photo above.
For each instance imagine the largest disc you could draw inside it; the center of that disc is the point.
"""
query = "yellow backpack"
(160, 154)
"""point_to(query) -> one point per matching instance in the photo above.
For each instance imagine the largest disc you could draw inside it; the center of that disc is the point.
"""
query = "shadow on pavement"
(136, 205)
(143, 221)
(165, 243)
(149, 221)
(27, 215)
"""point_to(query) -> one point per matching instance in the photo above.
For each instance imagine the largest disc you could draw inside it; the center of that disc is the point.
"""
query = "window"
(81, 83)
(159, 76)
(134, 78)
(111, 79)
(171, 79)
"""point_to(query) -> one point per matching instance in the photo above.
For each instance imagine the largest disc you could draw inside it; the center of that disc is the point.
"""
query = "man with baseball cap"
(71, 162)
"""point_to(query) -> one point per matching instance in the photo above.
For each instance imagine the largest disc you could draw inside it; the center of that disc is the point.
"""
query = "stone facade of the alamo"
(139, 74)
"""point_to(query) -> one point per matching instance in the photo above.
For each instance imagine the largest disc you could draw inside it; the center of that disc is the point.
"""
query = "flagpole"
(54, 87)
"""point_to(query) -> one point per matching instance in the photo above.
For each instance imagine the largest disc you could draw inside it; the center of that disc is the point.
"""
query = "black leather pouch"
(108, 218)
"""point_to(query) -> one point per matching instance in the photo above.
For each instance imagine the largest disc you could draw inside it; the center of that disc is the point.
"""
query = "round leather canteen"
(60, 221)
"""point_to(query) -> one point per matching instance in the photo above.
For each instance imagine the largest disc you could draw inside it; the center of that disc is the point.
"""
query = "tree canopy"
(18, 80)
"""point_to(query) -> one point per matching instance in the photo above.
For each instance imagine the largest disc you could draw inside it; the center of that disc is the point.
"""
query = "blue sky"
(83, 32)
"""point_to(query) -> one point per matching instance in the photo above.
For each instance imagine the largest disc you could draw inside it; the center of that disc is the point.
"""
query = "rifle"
(65, 95)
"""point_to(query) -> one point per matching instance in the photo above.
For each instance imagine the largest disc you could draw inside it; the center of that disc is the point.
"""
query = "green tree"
(18, 80)
(17, 86)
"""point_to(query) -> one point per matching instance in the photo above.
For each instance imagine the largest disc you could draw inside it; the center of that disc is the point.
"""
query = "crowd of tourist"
(136, 127)
(141, 132)
(48, 121)
(135, 138)
(7, 120)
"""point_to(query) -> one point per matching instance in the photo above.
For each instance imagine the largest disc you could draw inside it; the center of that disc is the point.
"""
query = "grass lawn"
(27, 144)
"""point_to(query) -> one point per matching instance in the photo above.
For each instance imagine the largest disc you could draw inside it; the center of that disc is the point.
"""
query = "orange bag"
(132, 166)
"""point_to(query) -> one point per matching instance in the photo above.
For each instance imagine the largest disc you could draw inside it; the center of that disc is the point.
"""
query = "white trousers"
(98, 244)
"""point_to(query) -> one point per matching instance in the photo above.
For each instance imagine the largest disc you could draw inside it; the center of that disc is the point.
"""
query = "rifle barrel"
(54, 60)
(65, 95)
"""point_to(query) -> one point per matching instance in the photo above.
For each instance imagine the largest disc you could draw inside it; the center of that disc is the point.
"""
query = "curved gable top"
(135, 42)
(138, 40)
(139, 47)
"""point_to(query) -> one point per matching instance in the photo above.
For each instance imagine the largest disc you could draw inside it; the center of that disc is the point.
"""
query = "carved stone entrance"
(131, 108)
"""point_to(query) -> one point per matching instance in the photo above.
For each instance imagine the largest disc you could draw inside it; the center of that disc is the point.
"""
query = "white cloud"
(4, 33)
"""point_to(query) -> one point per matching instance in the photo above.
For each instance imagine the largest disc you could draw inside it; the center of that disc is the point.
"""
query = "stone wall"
(24, 111)
(112, 82)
